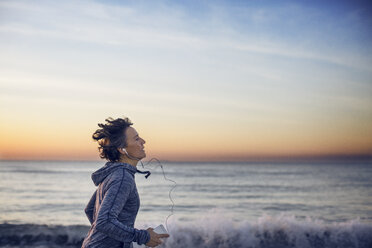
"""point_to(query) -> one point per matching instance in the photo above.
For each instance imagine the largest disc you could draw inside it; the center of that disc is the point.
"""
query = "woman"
(113, 208)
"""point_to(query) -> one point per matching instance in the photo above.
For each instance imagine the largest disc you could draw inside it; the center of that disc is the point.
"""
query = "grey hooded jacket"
(113, 208)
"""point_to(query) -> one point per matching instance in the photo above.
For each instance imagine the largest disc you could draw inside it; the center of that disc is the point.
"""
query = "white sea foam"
(216, 229)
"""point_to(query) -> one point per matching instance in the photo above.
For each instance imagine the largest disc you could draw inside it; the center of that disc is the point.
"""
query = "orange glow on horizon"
(198, 143)
(177, 151)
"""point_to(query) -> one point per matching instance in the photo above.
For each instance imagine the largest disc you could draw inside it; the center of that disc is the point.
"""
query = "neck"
(127, 160)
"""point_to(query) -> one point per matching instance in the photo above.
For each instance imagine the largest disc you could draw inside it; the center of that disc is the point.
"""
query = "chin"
(144, 155)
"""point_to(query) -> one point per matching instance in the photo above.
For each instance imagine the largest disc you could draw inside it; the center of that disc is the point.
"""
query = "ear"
(121, 150)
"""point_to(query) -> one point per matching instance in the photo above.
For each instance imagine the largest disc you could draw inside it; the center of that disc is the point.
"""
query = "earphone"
(124, 150)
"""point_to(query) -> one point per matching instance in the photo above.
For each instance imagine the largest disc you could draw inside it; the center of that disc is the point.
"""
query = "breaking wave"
(216, 232)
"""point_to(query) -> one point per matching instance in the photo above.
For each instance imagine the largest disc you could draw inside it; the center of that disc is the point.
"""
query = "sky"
(200, 80)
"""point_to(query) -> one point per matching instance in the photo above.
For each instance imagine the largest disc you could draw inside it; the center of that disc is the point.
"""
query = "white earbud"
(124, 150)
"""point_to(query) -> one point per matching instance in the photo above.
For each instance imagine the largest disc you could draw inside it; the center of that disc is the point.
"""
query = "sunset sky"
(202, 80)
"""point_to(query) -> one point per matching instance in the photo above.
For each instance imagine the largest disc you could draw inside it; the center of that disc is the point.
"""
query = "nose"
(143, 141)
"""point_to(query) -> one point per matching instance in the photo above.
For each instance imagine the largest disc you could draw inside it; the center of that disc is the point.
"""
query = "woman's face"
(135, 144)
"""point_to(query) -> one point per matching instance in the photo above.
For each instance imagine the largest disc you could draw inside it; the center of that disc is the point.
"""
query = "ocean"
(215, 204)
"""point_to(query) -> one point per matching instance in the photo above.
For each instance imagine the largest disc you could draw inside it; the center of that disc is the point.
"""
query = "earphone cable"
(170, 191)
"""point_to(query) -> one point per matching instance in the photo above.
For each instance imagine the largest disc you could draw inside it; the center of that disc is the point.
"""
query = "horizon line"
(273, 159)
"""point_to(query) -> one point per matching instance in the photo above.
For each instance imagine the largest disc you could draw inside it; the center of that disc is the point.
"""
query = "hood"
(100, 175)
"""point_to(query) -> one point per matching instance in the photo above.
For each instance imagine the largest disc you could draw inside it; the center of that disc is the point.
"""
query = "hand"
(155, 238)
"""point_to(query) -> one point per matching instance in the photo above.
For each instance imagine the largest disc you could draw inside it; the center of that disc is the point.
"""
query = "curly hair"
(110, 137)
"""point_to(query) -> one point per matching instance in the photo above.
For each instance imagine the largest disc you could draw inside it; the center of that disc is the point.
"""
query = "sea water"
(215, 204)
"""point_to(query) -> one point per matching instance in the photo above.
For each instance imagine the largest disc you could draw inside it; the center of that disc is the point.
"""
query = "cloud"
(168, 27)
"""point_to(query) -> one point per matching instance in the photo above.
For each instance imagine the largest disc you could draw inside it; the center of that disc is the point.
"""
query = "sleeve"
(90, 207)
(112, 203)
